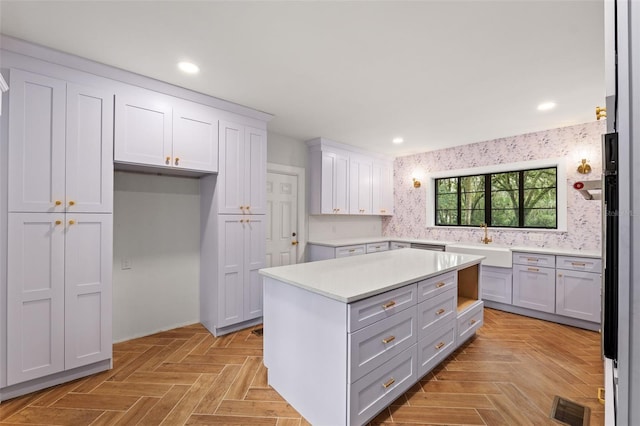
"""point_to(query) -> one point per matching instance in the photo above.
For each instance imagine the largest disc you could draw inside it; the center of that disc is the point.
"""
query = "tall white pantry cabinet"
(59, 234)
(233, 208)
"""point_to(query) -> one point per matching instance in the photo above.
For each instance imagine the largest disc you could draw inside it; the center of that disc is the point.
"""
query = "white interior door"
(282, 219)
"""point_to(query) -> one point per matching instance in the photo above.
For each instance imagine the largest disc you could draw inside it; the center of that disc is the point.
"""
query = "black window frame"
(487, 199)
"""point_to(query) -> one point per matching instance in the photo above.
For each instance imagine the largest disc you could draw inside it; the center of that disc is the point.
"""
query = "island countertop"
(353, 278)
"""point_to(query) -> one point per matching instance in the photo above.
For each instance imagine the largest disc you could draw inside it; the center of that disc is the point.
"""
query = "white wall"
(157, 227)
(292, 152)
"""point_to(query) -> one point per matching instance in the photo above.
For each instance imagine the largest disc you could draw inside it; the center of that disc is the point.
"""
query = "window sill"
(467, 228)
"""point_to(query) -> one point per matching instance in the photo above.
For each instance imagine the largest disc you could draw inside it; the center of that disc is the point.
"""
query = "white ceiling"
(437, 73)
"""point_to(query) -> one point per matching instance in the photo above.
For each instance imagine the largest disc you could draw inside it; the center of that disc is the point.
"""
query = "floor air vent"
(570, 413)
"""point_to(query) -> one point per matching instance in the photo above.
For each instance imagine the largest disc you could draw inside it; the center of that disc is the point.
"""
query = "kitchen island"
(345, 337)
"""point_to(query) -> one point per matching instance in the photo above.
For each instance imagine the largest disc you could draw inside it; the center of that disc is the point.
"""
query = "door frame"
(299, 173)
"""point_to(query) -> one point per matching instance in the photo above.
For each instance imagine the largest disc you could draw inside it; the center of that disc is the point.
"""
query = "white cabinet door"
(35, 296)
(534, 288)
(335, 183)
(87, 270)
(195, 137)
(578, 294)
(89, 150)
(242, 254)
(242, 179)
(231, 270)
(36, 143)
(230, 180)
(254, 252)
(143, 128)
(382, 189)
(255, 171)
(497, 284)
(360, 176)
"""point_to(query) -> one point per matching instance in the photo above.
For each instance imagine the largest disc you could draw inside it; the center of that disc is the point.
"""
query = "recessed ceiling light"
(397, 140)
(546, 106)
(188, 67)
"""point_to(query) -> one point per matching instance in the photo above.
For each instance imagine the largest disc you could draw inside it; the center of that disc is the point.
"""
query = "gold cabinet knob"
(72, 203)
(58, 203)
(58, 222)
(241, 207)
(167, 161)
(72, 222)
(177, 161)
(294, 243)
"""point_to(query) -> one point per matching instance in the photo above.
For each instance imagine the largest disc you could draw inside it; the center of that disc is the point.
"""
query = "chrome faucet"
(486, 238)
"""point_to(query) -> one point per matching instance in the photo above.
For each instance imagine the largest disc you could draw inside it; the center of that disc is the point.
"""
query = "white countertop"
(541, 250)
(356, 241)
(349, 279)
(558, 251)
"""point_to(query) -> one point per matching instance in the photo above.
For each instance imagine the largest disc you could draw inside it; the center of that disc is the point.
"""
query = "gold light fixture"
(416, 183)
(601, 112)
(584, 167)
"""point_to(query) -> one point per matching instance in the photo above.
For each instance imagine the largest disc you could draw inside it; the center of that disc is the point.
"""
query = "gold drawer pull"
(72, 222)
(473, 322)
(389, 305)
(58, 203)
(389, 383)
(440, 345)
(440, 312)
(601, 395)
(440, 284)
(578, 264)
(532, 259)
(72, 203)
(533, 269)
(58, 222)
(389, 339)
(352, 250)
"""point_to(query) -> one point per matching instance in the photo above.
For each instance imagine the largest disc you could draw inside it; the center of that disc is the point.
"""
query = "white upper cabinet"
(382, 188)
(360, 185)
(241, 186)
(60, 146)
(152, 129)
(345, 181)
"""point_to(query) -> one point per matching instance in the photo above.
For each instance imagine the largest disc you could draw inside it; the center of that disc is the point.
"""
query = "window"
(514, 199)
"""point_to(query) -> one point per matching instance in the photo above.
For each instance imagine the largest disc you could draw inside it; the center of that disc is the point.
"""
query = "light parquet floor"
(507, 375)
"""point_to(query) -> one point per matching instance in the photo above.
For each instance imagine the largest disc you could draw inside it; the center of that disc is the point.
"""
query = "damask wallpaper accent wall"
(572, 143)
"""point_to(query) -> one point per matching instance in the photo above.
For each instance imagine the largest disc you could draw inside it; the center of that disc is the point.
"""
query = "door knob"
(294, 243)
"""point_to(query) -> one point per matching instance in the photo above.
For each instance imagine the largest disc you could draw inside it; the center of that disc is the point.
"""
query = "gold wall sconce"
(584, 167)
(601, 112)
(416, 183)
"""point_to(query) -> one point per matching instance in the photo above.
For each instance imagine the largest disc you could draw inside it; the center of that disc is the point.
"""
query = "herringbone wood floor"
(507, 375)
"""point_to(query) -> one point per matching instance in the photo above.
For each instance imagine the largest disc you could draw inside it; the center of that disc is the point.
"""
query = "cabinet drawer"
(469, 321)
(379, 388)
(376, 247)
(436, 311)
(435, 285)
(436, 346)
(398, 245)
(350, 250)
(367, 311)
(543, 260)
(376, 344)
(584, 264)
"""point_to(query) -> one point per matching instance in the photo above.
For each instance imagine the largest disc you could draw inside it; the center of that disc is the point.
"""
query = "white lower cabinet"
(534, 288)
(436, 346)
(241, 255)
(382, 386)
(497, 284)
(578, 294)
(58, 293)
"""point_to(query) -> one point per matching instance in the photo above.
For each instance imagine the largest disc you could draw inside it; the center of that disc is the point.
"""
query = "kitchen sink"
(495, 255)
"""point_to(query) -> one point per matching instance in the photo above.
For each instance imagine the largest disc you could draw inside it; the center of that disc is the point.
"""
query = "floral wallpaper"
(572, 143)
